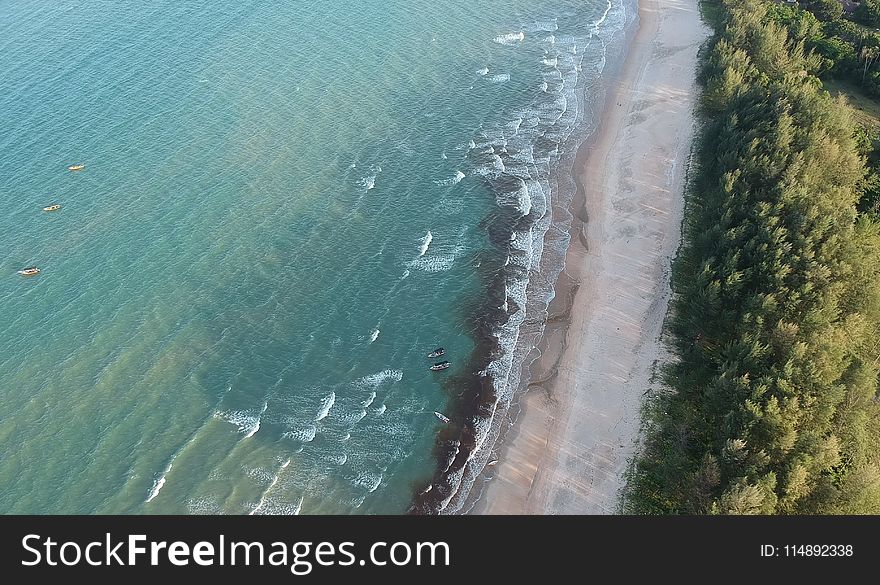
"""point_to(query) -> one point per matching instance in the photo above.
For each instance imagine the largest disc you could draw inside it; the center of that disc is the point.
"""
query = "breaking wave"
(452, 180)
(425, 242)
(512, 38)
(247, 421)
(326, 404)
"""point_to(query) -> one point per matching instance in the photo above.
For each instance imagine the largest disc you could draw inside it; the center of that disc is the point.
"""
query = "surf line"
(268, 489)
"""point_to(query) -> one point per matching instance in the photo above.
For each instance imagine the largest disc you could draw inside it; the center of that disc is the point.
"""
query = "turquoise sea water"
(283, 208)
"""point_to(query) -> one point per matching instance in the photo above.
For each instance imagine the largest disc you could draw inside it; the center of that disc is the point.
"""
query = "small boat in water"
(29, 271)
(437, 353)
(76, 167)
(55, 207)
(441, 417)
(439, 366)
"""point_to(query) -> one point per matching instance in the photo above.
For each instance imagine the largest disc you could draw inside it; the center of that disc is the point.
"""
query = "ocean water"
(284, 206)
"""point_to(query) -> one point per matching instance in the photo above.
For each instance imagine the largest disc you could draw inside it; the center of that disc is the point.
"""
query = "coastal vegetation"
(770, 403)
(848, 48)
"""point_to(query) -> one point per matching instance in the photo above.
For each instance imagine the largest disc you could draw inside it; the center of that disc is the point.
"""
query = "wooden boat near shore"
(439, 366)
(29, 271)
(55, 207)
(76, 167)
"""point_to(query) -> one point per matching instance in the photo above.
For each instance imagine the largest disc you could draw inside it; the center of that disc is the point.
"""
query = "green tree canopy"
(771, 403)
(827, 9)
(868, 12)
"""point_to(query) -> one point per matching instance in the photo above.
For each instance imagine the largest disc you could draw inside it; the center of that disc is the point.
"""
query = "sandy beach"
(574, 430)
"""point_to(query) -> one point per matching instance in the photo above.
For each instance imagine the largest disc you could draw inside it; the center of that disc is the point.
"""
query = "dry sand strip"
(570, 445)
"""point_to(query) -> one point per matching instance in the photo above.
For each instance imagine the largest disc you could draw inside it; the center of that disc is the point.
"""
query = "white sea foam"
(495, 168)
(452, 180)
(277, 507)
(333, 458)
(303, 435)
(546, 26)
(268, 489)
(483, 71)
(374, 335)
(437, 263)
(260, 474)
(510, 38)
(247, 421)
(369, 181)
(425, 242)
(373, 381)
(352, 418)
(158, 484)
(256, 427)
(500, 78)
(204, 505)
(326, 404)
(450, 205)
(368, 481)
(604, 15)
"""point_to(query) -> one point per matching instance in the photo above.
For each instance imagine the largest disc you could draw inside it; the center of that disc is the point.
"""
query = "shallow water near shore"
(283, 209)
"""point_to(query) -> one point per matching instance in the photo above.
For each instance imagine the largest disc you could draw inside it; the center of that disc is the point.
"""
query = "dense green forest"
(848, 45)
(771, 404)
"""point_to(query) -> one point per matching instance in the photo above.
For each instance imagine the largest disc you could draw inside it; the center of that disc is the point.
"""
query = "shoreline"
(570, 433)
(507, 321)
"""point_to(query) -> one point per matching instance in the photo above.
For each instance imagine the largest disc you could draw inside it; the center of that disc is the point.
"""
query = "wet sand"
(576, 426)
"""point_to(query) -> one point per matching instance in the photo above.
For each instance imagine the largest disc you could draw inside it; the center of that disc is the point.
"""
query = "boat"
(55, 207)
(441, 417)
(437, 353)
(439, 366)
(29, 271)
(76, 167)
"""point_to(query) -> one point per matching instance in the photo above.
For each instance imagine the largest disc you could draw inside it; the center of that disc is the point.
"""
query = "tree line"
(770, 405)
